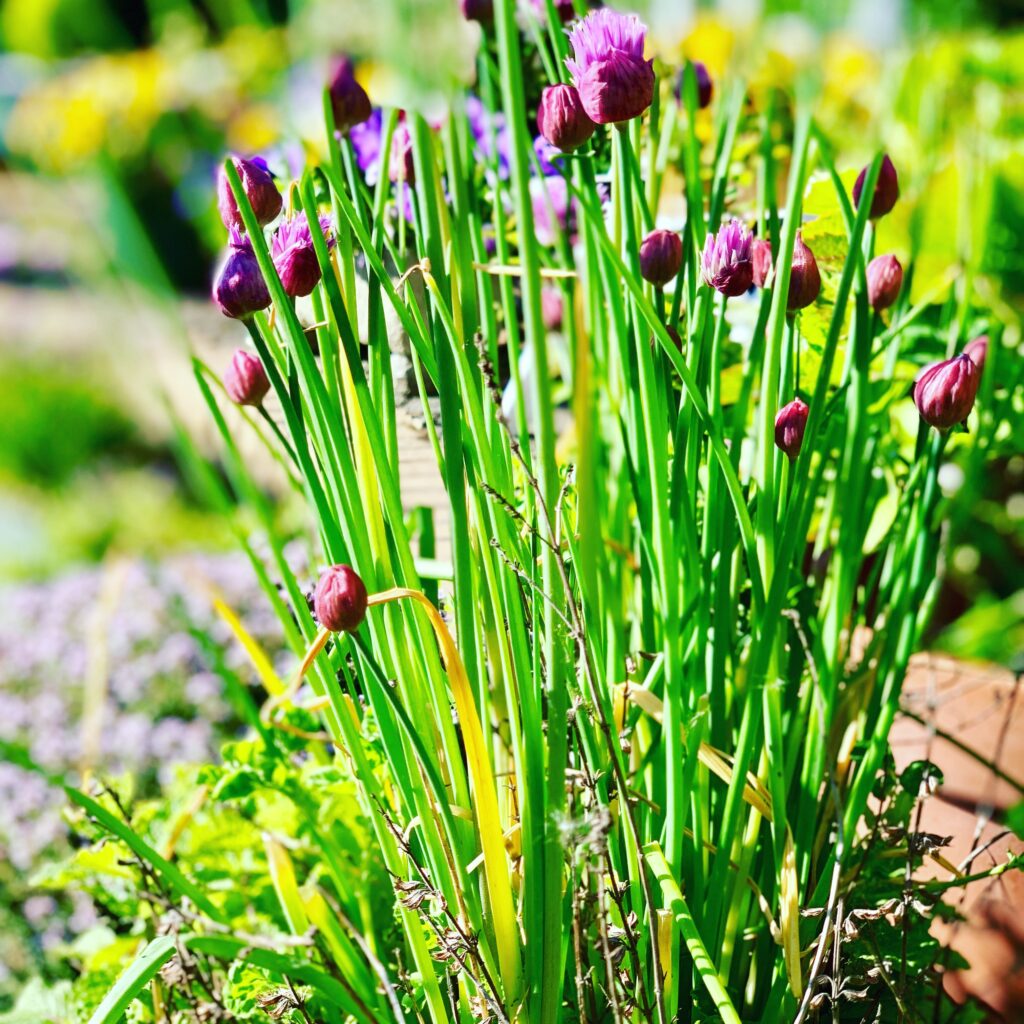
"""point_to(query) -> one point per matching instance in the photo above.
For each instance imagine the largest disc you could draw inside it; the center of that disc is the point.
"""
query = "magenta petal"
(617, 89)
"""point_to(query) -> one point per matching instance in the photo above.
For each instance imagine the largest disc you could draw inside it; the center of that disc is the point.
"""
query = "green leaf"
(134, 980)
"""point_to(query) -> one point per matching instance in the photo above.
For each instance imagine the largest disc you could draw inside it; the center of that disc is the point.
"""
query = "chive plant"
(618, 752)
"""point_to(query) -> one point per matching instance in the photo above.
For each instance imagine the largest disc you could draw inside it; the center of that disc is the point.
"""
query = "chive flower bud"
(401, 165)
(885, 278)
(727, 260)
(563, 8)
(977, 350)
(661, 256)
(608, 68)
(887, 188)
(790, 424)
(761, 257)
(561, 118)
(705, 86)
(239, 288)
(245, 380)
(294, 255)
(260, 190)
(349, 101)
(339, 599)
(478, 10)
(804, 277)
(944, 393)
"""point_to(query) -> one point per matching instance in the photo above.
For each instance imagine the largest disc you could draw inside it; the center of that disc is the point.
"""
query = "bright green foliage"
(679, 653)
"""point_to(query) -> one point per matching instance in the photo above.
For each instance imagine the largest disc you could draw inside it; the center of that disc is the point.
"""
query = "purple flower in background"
(367, 139)
(705, 87)
(548, 157)
(608, 67)
(553, 210)
(490, 133)
(885, 279)
(260, 190)
(478, 10)
(239, 288)
(726, 263)
(294, 254)
(400, 163)
(349, 101)
(563, 8)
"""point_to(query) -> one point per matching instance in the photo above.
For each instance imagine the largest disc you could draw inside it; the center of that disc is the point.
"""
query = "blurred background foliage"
(113, 117)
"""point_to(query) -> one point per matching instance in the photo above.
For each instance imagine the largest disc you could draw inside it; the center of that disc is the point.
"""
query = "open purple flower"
(615, 83)
(260, 190)
(491, 135)
(294, 254)
(367, 139)
(727, 260)
(239, 288)
(349, 101)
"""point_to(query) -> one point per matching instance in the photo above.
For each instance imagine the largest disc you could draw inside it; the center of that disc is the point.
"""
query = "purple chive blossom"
(944, 393)
(727, 261)
(478, 10)
(260, 190)
(367, 139)
(615, 83)
(294, 255)
(349, 101)
(239, 288)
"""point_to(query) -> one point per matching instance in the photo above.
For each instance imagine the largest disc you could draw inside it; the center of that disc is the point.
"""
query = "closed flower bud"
(245, 380)
(615, 83)
(977, 350)
(804, 277)
(349, 101)
(761, 257)
(727, 260)
(885, 278)
(260, 190)
(340, 599)
(401, 165)
(294, 255)
(478, 10)
(944, 393)
(705, 87)
(661, 256)
(790, 424)
(887, 188)
(561, 118)
(239, 288)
